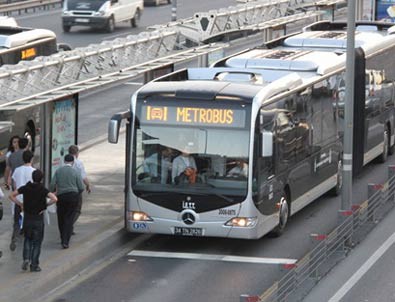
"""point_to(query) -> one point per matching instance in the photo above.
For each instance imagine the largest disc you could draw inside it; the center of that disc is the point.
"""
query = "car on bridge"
(100, 13)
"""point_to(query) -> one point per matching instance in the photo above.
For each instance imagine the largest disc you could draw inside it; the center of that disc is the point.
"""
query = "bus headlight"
(139, 216)
(241, 222)
(66, 13)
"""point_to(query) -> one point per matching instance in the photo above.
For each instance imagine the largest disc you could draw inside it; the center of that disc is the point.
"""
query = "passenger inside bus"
(240, 169)
(184, 168)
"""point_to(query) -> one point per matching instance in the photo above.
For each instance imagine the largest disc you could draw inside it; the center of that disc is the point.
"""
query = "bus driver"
(184, 167)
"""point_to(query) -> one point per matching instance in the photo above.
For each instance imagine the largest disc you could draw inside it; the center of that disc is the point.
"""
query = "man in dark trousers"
(79, 166)
(34, 204)
(67, 183)
(14, 161)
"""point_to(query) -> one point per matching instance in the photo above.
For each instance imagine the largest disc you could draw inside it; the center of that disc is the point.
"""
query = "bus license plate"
(188, 231)
(82, 20)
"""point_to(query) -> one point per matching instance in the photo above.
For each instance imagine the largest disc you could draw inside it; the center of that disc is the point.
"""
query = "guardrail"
(26, 6)
(330, 249)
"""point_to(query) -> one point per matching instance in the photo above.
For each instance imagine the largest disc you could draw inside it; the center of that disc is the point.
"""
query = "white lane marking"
(363, 269)
(134, 83)
(193, 256)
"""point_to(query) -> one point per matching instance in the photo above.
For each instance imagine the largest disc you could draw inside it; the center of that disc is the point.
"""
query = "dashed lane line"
(363, 269)
(211, 257)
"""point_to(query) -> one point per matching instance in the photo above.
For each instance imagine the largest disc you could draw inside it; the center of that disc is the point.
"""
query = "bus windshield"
(198, 148)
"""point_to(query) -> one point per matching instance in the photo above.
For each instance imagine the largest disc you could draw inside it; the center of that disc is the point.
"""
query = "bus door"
(293, 136)
(267, 186)
(373, 107)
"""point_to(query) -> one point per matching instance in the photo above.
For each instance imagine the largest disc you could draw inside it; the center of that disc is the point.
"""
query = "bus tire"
(136, 18)
(283, 217)
(391, 149)
(383, 157)
(336, 190)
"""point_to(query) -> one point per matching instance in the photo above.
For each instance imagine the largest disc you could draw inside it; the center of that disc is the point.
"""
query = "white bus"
(17, 44)
(274, 114)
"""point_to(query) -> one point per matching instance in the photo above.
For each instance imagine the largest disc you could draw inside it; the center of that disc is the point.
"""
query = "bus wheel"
(336, 190)
(383, 157)
(283, 217)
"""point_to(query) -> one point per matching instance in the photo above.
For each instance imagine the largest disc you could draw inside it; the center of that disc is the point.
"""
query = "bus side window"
(266, 123)
(285, 139)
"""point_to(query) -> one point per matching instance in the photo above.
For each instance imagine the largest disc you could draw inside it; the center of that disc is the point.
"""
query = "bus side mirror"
(267, 144)
(113, 131)
(114, 125)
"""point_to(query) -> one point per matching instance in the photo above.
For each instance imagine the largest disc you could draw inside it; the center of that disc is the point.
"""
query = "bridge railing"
(110, 59)
(26, 6)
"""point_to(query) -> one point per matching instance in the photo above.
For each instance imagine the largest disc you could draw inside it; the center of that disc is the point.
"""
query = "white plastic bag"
(46, 217)
(51, 209)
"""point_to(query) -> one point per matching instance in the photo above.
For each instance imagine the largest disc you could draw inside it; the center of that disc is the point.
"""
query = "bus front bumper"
(201, 229)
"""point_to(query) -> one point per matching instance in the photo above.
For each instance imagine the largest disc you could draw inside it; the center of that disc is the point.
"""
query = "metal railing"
(83, 66)
(330, 249)
(26, 6)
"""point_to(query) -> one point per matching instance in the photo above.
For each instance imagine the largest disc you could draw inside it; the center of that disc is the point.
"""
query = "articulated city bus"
(235, 149)
(16, 44)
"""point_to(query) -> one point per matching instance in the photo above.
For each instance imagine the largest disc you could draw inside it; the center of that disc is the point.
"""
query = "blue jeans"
(34, 234)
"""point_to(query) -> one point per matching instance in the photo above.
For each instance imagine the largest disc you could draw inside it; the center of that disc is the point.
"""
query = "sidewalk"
(98, 230)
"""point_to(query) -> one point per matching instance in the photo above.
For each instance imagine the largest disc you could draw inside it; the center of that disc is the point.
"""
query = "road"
(83, 36)
(149, 278)
(152, 271)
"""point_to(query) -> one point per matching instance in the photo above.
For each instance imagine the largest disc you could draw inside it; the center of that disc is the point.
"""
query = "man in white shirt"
(79, 167)
(184, 164)
(20, 177)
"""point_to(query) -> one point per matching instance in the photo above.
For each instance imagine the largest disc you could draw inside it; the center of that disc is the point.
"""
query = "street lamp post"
(349, 109)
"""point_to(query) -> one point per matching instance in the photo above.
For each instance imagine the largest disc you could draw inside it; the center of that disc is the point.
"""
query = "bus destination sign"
(214, 117)
(28, 53)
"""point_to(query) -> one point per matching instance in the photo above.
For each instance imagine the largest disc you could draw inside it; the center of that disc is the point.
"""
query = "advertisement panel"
(63, 130)
(385, 10)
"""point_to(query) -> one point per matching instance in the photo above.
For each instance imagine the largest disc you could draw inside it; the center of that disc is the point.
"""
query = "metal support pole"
(203, 60)
(349, 109)
(174, 11)
(45, 142)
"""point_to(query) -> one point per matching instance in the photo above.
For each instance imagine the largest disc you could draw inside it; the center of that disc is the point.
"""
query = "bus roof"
(300, 59)
(332, 36)
(11, 36)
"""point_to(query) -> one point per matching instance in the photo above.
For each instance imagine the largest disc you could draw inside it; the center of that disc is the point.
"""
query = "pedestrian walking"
(20, 177)
(34, 204)
(67, 183)
(79, 166)
(14, 161)
(12, 147)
